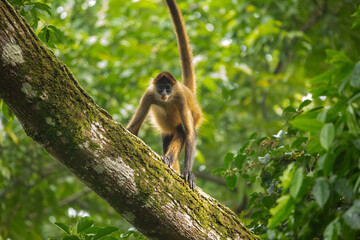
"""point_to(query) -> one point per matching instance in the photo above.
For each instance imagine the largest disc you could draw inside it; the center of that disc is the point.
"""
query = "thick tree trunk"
(56, 112)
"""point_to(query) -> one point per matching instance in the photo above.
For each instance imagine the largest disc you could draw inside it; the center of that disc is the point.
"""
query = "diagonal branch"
(56, 112)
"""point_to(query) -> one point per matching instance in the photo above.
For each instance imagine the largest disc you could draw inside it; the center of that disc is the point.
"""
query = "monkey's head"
(164, 84)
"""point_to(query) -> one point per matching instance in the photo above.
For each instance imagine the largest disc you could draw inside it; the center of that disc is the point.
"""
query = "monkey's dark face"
(164, 88)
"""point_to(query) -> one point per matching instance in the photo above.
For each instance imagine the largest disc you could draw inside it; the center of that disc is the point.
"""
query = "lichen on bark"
(57, 113)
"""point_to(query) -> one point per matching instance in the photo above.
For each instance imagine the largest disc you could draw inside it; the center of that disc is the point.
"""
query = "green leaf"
(253, 136)
(356, 23)
(321, 191)
(47, 36)
(287, 177)
(327, 135)
(289, 109)
(16, 2)
(28, 7)
(219, 171)
(44, 7)
(352, 216)
(355, 76)
(58, 34)
(35, 17)
(351, 121)
(282, 211)
(71, 237)
(296, 182)
(341, 73)
(323, 78)
(105, 231)
(356, 14)
(332, 230)
(335, 57)
(84, 223)
(63, 227)
(269, 201)
(6, 111)
(231, 181)
(329, 164)
(357, 20)
(113, 238)
(343, 86)
(91, 230)
(239, 161)
(298, 142)
(320, 162)
(319, 91)
(314, 146)
(42, 34)
(322, 116)
(357, 184)
(243, 147)
(307, 124)
(315, 109)
(353, 98)
(260, 140)
(304, 104)
(344, 189)
(228, 160)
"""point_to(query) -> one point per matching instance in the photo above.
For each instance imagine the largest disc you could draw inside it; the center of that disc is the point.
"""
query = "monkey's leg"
(190, 146)
(166, 139)
(174, 147)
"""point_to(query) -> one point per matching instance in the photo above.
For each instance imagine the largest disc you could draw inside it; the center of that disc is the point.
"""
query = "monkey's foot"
(167, 160)
(190, 178)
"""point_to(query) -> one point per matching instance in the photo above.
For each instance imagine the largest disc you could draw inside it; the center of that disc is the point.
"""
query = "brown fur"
(181, 109)
(187, 68)
(176, 115)
(165, 115)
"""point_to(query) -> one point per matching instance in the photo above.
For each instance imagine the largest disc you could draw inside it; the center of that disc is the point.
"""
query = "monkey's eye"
(160, 88)
(168, 87)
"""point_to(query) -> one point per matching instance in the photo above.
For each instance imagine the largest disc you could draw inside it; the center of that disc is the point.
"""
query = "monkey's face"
(164, 89)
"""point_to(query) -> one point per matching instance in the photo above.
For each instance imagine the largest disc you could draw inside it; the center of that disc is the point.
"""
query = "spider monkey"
(173, 105)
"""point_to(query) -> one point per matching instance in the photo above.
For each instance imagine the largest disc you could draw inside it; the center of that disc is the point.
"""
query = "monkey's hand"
(190, 177)
(167, 160)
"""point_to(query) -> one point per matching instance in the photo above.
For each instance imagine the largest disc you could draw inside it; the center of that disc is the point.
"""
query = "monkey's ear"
(165, 75)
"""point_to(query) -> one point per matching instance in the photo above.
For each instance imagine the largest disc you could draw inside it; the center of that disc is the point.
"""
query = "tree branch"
(56, 112)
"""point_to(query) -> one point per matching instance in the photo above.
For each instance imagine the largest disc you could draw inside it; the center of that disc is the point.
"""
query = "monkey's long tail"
(188, 73)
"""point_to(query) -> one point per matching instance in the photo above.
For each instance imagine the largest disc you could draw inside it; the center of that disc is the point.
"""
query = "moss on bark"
(56, 112)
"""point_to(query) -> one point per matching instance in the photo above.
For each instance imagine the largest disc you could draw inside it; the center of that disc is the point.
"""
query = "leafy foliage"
(86, 230)
(309, 173)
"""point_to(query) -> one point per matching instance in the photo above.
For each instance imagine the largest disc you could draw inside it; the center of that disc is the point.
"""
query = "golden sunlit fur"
(173, 106)
(166, 117)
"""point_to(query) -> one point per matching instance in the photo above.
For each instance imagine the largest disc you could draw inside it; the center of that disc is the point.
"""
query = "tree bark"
(57, 113)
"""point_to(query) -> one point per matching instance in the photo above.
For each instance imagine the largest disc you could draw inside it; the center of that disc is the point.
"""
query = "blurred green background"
(252, 59)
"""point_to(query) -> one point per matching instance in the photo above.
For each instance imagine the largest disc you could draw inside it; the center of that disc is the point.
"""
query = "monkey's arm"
(190, 142)
(141, 113)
